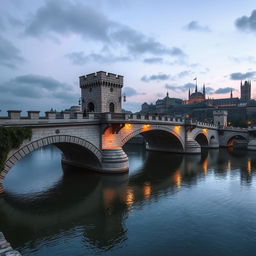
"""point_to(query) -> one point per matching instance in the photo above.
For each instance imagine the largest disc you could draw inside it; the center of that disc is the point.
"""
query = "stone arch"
(231, 139)
(202, 139)
(64, 142)
(157, 130)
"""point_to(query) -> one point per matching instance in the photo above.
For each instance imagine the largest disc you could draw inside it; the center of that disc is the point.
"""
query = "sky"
(158, 46)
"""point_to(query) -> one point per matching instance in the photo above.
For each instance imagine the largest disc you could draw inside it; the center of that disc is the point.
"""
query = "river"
(168, 204)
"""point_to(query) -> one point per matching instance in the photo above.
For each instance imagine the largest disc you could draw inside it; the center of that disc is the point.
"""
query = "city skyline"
(45, 47)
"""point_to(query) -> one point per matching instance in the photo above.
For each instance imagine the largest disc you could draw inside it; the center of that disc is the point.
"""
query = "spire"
(167, 94)
(189, 93)
(231, 94)
(204, 90)
(196, 89)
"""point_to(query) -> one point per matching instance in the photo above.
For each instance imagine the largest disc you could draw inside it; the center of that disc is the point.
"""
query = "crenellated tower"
(101, 92)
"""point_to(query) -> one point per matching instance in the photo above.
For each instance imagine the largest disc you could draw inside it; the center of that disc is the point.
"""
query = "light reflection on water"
(169, 204)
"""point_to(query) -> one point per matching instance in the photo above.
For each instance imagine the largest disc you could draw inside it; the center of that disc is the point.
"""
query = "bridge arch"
(202, 139)
(158, 138)
(230, 140)
(74, 150)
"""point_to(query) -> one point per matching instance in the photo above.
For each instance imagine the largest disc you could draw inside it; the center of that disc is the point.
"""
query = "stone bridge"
(95, 141)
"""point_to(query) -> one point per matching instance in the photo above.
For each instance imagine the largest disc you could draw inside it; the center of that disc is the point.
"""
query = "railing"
(152, 118)
(14, 117)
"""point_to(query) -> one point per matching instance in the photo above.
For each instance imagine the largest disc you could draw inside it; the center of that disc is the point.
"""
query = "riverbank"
(5, 247)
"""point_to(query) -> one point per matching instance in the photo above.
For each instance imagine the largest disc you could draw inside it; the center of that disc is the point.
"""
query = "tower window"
(91, 107)
(111, 89)
(111, 107)
(90, 90)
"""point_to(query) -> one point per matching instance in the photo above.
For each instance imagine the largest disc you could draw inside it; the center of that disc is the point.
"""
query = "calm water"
(168, 205)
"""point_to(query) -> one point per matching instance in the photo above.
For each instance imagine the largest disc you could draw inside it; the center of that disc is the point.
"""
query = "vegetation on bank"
(10, 138)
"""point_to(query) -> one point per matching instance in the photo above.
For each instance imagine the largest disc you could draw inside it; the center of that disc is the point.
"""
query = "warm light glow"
(205, 166)
(229, 165)
(177, 178)
(109, 139)
(129, 197)
(249, 123)
(177, 128)
(108, 197)
(147, 190)
(128, 126)
(249, 166)
(204, 131)
(146, 127)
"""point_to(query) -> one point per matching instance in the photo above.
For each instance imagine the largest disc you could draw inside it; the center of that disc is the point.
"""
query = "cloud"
(249, 59)
(160, 95)
(247, 23)
(64, 18)
(209, 90)
(186, 87)
(10, 56)
(184, 74)
(37, 87)
(159, 77)
(242, 76)
(224, 90)
(195, 26)
(132, 106)
(79, 58)
(2, 26)
(137, 43)
(129, 92)
(180, 88)
(154, 60)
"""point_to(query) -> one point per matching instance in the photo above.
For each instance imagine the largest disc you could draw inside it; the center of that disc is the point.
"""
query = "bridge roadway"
(95, 141)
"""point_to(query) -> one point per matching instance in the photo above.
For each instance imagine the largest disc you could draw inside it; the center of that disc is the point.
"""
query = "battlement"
(101, 78)
(220, 112)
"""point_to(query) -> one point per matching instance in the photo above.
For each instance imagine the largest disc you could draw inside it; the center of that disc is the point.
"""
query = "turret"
(231, 94)
(204, 90)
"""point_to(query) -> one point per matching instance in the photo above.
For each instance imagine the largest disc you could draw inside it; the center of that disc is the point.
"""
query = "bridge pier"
(251, 145)
(192, 147)
(114, 161)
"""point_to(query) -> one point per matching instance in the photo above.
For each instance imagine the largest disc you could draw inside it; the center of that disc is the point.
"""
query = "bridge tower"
(101, 92)
(220, 117)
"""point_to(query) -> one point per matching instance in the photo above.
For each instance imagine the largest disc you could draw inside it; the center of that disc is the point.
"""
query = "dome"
(196, 95)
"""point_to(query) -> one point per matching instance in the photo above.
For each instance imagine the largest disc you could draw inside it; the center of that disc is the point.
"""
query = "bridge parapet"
(201, 124)
(141, 118)
(233, 129)
(14, 118)
(154, 118)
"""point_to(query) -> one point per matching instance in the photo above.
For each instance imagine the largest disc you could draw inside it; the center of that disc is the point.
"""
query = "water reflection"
(95, 207)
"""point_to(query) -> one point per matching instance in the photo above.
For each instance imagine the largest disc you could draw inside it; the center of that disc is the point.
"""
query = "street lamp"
(249, 123)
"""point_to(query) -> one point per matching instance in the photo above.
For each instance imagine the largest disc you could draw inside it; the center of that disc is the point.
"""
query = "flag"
(195, 78)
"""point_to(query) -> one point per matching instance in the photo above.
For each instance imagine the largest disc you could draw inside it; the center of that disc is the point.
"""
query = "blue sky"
(45, 45)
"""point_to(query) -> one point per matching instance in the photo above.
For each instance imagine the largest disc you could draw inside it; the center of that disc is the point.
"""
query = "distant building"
(162, 106)
(240, 110)
(195, 97)
(245, 91)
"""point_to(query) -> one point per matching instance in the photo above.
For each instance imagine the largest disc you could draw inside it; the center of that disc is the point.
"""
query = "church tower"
(101, 92)
(245, 91)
